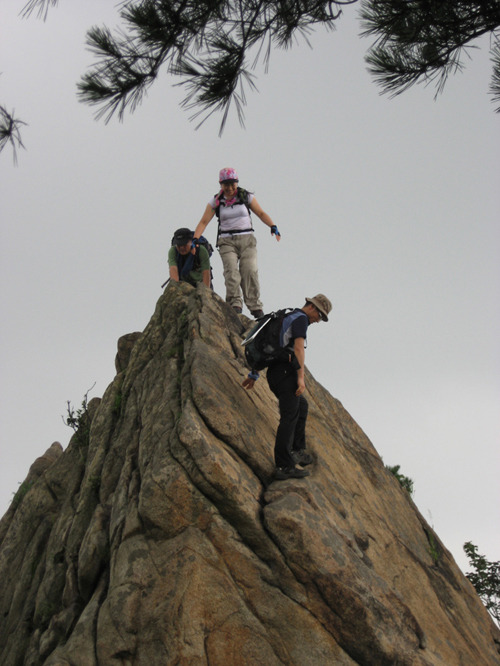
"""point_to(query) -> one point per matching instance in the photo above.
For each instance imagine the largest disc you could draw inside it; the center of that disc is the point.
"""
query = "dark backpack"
(262, 344)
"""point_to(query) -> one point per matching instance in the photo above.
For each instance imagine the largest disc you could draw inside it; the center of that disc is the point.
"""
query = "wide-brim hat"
(322, 303)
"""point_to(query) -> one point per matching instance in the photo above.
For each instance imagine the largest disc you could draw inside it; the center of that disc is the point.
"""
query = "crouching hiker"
(285, 376)
(187, 262)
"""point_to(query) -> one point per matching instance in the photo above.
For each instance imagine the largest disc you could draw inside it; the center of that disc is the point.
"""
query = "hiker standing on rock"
(188, 263)
(236, 240)
(286, 380)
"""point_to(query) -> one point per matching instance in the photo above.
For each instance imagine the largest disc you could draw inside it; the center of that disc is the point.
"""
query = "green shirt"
(201, 263)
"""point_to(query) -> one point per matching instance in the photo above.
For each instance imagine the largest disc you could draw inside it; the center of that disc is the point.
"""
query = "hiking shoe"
(301, 457)
(282, 473)
(237, 309)
(257, 313)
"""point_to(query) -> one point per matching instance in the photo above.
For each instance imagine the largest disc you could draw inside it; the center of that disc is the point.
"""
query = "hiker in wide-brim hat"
(236, 240)
(286, 379)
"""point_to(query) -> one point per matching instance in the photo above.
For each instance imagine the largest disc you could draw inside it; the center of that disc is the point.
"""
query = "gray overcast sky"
(391, 207)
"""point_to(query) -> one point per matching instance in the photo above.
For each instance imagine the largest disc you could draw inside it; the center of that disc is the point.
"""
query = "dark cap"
(183, 236)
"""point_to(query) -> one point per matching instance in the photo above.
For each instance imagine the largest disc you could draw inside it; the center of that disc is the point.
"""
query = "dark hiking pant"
(291, 433)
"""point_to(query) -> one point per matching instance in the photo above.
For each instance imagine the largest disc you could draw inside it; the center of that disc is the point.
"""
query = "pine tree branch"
(10, 131)
(41, 5)
(495, 79)
(424, 40)
(206, 43)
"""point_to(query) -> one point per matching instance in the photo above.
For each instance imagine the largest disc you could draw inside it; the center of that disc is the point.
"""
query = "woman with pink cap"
(236, 240)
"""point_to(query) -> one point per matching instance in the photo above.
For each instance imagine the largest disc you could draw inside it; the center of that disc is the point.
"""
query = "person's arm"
(204, 265)
(173, 269)
(202, 224)
(256, 208)
(300, 354)
(249, 382)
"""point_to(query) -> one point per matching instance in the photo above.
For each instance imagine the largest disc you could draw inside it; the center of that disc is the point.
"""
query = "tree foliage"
(405, 481)
(486, 579)
(426, 40)
(211, 45)
(10, 131)
(40, 6)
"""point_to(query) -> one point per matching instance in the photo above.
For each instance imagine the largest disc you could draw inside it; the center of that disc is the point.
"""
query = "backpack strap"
(290, 314)
(197, 260)
(241, 194)
(242, 198)
(185, 265)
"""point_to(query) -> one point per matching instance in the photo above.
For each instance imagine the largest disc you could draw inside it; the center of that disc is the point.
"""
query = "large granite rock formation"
(158, 537)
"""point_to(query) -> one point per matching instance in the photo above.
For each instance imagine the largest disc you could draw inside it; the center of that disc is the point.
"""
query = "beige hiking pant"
(239, 259)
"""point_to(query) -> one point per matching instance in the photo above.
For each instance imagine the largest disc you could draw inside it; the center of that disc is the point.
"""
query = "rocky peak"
(159, 536)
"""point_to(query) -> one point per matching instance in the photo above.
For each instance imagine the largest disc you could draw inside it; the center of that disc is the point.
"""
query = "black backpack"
(262, 344)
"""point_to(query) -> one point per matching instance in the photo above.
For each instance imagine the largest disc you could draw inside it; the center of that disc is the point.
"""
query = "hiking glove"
(274, 230)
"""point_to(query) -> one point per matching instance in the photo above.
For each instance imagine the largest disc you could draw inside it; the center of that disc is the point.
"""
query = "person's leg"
(299, 440)
(282, 379)
(249, 272)
(299, 453)
(229, 255)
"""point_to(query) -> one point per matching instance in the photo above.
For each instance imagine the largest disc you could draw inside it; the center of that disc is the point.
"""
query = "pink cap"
(227, 174)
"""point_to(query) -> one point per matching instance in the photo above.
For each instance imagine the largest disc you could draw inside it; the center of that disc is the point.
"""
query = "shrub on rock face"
(486, 579)
(405, 481)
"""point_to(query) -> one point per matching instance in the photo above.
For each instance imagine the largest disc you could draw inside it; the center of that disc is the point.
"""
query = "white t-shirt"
(234, 218)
